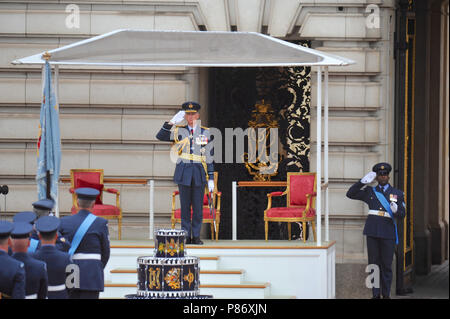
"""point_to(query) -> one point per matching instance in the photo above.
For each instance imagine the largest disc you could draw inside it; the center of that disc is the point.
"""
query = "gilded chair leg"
(120, 227)
(304, 231)
(212, 231)
(266, 229)
(289, 230)
(217, 231)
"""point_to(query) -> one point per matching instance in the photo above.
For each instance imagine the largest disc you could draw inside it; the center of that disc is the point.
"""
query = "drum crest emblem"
(172, 278)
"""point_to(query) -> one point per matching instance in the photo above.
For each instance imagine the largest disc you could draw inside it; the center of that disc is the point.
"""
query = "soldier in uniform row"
(42, 273)
(40, 208)
(12, 271)
(36, 279)
(56, 260)
(386, 204)
(194, 168)
(90, 250)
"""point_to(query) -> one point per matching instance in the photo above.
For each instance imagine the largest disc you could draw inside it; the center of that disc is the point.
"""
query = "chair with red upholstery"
(300, 203)
(93, 178)
(208, 218)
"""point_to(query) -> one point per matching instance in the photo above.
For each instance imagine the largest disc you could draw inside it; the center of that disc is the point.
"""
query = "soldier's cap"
(44, 204)
(87, 193)
(190, 107)
(26, 217)
(382, 168)
(21, 230)
(6, 228)
(47, 224)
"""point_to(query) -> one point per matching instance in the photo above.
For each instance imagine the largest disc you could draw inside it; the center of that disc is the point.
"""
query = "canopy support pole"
(319, 157)
(325, 155)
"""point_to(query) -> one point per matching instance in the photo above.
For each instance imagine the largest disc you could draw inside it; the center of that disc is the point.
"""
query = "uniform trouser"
(83, 294)
(381, 252)
(191, 195)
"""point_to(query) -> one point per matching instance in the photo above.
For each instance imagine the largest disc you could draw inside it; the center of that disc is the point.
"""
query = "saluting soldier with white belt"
(386, 204)
(90, 248)
(194, 168)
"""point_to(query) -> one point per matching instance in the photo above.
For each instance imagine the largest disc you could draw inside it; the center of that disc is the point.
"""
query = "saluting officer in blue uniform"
(194, 167)
(56, 260)
(12, 271)
(90, 248)
(36, 280)
(386, 204)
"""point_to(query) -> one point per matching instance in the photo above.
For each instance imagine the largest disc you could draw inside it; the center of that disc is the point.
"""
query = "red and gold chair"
(93, 178)
(207, 217)
(300, 203)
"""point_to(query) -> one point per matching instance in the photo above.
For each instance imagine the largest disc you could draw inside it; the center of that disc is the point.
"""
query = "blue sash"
(81, 231)
(34, 243)
(383, 201)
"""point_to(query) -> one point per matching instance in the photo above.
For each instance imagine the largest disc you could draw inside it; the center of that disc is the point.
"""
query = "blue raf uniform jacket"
(36, 280)
(12, 277)
(95, 243)
(190, 172)
(57, 262)
(378, 226)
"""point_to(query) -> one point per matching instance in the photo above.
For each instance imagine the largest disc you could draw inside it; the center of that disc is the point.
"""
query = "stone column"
(422, 236)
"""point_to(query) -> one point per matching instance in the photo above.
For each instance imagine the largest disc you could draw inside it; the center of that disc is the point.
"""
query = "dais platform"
(250, 269)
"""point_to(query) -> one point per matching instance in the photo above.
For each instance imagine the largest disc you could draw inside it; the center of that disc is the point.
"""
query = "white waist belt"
(33, 296)
(379, 213)
(86, 256)
(57, 288)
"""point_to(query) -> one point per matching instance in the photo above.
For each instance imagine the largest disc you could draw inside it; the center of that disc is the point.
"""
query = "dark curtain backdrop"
(232, 96)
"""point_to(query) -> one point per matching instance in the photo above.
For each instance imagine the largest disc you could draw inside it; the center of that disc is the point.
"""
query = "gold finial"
(46, 56)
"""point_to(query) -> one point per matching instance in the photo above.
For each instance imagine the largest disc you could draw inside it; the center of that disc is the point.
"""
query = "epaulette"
(204, 127)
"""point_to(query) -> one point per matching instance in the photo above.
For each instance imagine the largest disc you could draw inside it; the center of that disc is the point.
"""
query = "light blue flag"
(49, 143)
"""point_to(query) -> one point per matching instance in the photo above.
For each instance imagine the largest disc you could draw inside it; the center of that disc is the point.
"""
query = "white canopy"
(185, 48)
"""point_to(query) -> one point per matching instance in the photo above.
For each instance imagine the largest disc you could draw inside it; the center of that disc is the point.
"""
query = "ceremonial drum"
(169, 273)
(168, 277)
(169, 243)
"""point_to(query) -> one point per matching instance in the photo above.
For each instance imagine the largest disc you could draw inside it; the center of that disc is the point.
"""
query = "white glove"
(368, 178)
(211, 185)
(179, 117)
(394, 207)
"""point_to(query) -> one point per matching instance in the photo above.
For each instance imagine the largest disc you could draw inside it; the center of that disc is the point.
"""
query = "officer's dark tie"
(191, 141)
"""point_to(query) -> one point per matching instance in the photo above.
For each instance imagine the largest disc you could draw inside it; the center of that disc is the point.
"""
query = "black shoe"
(197, 241)
(188, 241)
(376, 297)
(386, 297)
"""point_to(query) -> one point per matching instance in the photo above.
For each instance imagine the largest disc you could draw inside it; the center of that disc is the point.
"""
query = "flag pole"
(46, 56)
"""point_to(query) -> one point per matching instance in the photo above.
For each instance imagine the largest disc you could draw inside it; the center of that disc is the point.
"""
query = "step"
(247, 290)
(129, 276)
(219, 291)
